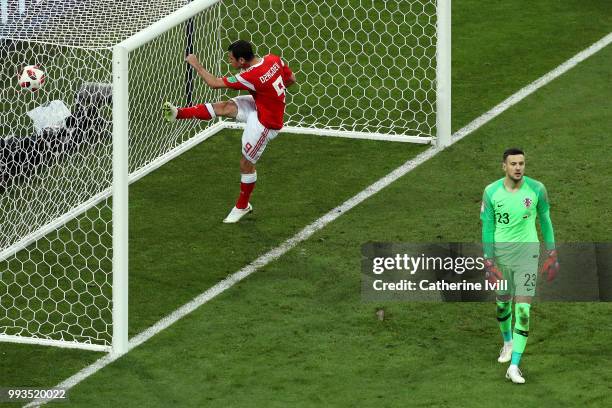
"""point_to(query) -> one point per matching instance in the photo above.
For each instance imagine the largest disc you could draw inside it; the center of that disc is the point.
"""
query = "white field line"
(532, 87)
(327, 218)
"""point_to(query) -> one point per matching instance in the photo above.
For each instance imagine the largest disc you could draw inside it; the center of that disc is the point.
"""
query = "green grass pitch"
(296, 333)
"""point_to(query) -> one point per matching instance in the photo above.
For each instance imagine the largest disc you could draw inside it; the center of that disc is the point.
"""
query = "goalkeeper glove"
(550, 268)
(492, 273)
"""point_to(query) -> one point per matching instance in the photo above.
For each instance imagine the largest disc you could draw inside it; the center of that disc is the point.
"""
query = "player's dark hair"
(242, 49)
(511, 152)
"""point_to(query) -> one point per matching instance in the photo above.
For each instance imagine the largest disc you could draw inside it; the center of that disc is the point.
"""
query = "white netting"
(83, 23)
(362, 65)
(366, 65)
(60, 286)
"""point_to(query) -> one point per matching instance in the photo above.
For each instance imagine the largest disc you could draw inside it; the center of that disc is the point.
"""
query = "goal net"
(68, 151)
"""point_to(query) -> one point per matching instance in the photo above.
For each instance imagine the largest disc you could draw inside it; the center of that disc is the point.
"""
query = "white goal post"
(366, 69)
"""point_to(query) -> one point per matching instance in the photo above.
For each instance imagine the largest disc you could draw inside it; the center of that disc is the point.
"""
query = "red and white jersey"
(266, 82)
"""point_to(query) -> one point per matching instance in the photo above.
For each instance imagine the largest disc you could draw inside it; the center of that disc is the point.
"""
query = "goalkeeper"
(512, 250)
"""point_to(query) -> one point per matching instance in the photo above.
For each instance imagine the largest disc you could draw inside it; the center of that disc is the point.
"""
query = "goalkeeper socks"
(504, 317)
(521, 332)
(247, 184)
(203, 112)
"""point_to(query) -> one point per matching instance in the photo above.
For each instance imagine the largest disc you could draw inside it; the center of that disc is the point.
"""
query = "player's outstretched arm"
(211, 80)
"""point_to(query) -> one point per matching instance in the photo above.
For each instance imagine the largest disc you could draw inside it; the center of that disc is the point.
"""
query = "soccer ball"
(31, 78)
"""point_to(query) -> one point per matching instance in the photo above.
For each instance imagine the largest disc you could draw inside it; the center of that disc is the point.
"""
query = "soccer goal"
(366, 69)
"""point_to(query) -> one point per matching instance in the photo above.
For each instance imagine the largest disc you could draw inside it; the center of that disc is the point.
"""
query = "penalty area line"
(320, 223)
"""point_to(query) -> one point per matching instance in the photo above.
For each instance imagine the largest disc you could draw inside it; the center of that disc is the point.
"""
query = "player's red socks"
(247, 184)
(203, 112)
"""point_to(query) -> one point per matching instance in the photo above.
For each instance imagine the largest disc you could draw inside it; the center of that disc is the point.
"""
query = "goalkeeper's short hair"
(511, 152)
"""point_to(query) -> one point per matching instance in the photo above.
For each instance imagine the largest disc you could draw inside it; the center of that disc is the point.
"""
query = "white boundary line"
(532, 87)
(327, 218)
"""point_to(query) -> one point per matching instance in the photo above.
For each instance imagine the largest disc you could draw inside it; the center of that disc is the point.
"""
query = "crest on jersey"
(232, 80)
(527, 201)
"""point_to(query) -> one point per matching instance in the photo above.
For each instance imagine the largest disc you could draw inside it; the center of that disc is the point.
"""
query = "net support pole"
(4, 11)
(120, 200)
(443, 74)
(188, 70)
(189, 26)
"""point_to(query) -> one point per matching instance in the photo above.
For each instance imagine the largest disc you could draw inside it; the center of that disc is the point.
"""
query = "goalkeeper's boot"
(505, 354)
(169, 112)
(237, 213)
(515, 374)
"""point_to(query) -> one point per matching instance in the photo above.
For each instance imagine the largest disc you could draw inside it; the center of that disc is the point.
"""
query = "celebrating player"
(511, 250)
(263, 110)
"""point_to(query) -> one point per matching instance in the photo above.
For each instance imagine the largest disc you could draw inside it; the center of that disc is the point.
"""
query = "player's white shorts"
(255, 136)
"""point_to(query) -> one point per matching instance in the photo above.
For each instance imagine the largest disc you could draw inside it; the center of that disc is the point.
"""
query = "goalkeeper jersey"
(508, 220)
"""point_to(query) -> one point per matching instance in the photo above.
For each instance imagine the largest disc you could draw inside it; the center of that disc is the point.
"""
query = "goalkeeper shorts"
(521, 277)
